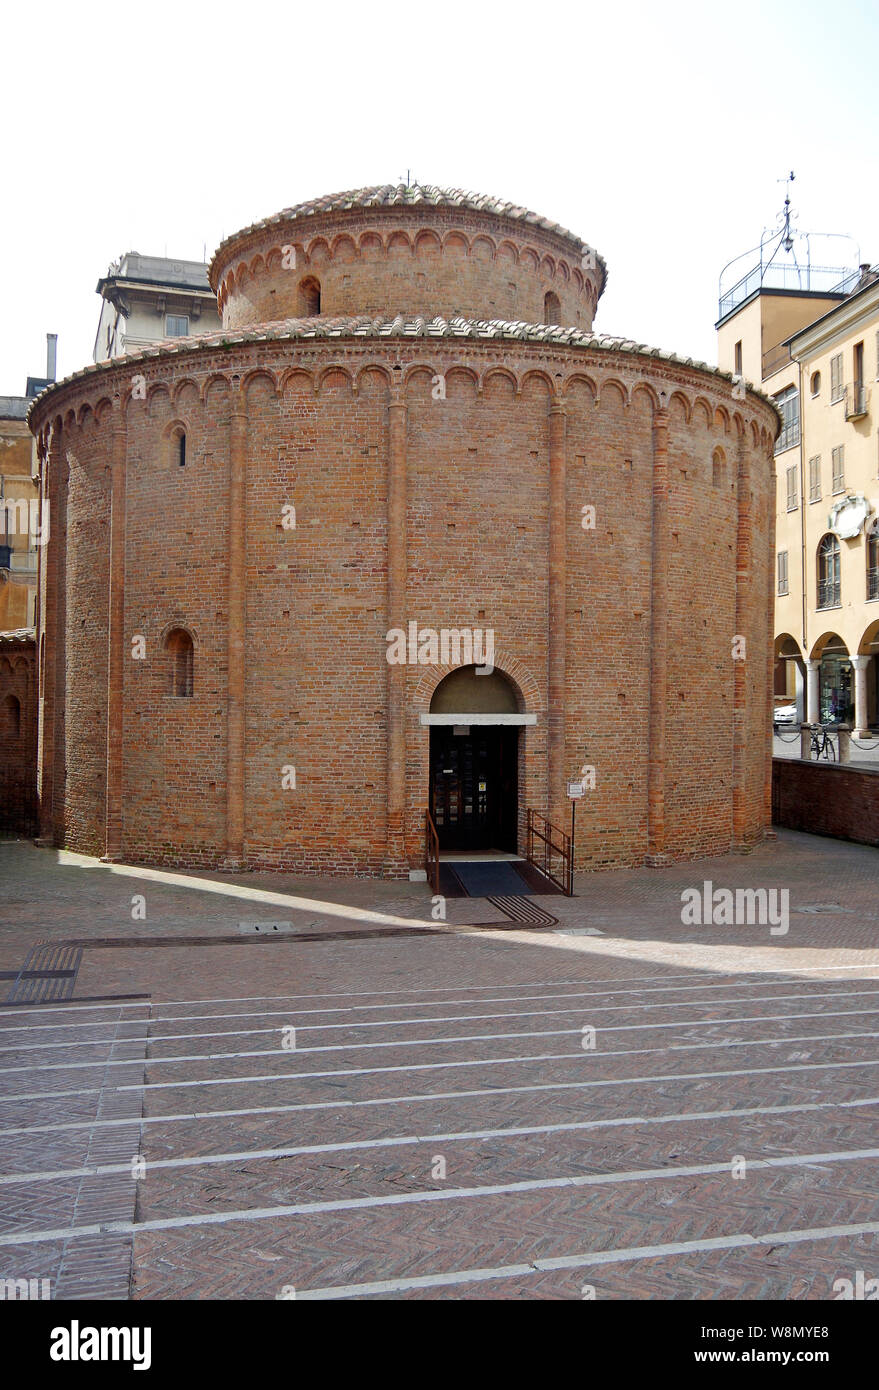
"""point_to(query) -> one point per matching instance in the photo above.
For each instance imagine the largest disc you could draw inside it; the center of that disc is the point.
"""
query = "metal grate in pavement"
(49, 973)
(522, 909)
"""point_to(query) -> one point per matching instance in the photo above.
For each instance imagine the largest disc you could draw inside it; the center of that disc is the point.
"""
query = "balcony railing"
(808, 279)
(775, 358)
(790, 435)
(829, 593)
(857, 401)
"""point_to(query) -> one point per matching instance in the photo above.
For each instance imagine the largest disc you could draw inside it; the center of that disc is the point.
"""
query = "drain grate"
(524, 909)
(48, 973)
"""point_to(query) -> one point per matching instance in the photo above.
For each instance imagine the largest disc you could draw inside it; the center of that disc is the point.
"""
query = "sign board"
(575, 790)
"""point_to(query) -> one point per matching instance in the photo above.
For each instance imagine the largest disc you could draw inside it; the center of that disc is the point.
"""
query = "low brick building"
(406, 426)
(18, 732)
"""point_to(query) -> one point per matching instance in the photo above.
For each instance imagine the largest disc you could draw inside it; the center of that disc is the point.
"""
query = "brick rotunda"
(278, 552)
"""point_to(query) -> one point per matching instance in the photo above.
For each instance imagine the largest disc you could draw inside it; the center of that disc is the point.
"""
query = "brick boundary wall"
(826, 799)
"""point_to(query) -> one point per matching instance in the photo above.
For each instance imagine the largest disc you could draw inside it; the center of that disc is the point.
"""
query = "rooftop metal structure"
(792, 261)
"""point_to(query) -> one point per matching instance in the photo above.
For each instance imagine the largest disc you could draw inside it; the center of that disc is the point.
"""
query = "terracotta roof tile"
(362, 326)
(412, 195)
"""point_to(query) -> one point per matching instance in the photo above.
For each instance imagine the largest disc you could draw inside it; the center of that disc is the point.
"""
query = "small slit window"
(310, 298)
(178, 645)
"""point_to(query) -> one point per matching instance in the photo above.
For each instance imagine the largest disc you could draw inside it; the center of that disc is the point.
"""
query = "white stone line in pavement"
(341, 1104)
(626, 1255)
(624, 1121)
(401, 1022)
(455, 1194)
(387, 1142)
(761, 977)
(154, 1061)
(455, 1018)
(424, 1003)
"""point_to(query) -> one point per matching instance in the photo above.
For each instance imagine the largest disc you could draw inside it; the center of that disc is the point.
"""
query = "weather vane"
(787, 239)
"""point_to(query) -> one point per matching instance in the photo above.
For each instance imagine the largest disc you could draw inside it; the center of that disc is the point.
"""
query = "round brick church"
(404, 537)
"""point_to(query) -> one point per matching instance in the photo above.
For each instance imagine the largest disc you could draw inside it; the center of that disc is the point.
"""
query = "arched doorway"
(474, 754)
(836, 701)
(789, 688)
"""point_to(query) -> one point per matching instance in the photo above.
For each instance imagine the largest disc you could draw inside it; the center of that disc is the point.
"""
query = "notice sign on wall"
(576, 789)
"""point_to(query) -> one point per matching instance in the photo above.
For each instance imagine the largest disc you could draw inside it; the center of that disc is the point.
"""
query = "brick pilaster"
(557, 612)
(53, 503)
(396, 617)
(658, 644)
(236, 635)
(116, 635)
(740, 666)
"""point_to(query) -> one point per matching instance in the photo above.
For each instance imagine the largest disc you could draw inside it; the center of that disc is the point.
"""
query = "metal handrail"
(553, 843)
(829, 593)
(431, 853)
(857, 400)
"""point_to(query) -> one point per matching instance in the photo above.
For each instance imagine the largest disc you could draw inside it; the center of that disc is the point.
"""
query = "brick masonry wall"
(477, 522)
(823, 799)
(465, 264)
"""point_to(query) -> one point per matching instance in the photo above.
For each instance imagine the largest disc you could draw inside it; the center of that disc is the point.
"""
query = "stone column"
(116, 635)
(395, 848)
(658, 646)
(557, 611)
(813, 670)
(236, 634)
(861, 665)
(740, 666)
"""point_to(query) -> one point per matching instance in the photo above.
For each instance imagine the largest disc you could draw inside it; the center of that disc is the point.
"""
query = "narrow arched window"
(829, 588)
(12, 716)
(178, 645)
(552, 309)
(175, 447)
(717, 468)
(310, 297)
(873, 560)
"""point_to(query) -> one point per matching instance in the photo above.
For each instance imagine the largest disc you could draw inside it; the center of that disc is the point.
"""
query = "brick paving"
(439, 1129)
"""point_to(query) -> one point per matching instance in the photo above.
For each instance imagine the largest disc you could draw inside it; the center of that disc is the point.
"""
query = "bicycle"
(821, 744)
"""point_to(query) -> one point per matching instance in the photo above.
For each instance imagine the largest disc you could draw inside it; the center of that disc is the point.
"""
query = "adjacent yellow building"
(809, 336)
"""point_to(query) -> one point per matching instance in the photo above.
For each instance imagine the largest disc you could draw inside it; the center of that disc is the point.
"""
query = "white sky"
(656, 131)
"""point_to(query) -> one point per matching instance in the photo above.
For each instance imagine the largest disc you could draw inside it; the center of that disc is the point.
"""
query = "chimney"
(51, 355)
(868, 276)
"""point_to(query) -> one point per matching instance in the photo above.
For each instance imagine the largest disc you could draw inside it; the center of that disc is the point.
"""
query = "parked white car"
(784, 714)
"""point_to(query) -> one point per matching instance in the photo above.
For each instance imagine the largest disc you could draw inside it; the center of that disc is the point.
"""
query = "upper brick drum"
(241, 522)
(410, 251)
